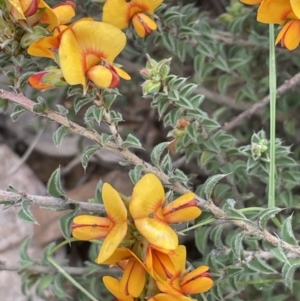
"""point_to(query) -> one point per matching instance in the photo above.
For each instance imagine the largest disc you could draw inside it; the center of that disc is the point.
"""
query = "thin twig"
(48, 201)
(287, 85)
(40, 269)
(218, 213)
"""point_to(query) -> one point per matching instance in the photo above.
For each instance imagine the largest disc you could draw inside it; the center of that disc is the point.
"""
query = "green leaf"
(187, 90)
(62, 110)
(40, 106)
(59, 134)
(279, 253)
(166, 164)
(25, 213)
(237, 245)
(201, 239)
(136, 173)
(66, 221)
(210, 184)
(58, 289)
(98, 193)
(54, 185)
(288, 271)
(216, 236)
(44, 282)
(266, 214)
(87, 153)
(47, 252)
(261, 266)
(24, 250)
(286, 231)
(18, 110)
(131, 141)
(157, 152)
(79, 102)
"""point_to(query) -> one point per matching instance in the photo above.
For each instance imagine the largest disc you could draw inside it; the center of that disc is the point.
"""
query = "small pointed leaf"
(59, 134)
(157, 152)
(131, 141)
(54, 185)
(286, 231)
(210, 184)
(25, 213)
(266, 214)
(87, 153)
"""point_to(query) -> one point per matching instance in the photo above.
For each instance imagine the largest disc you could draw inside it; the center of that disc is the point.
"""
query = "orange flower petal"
(182, 209)
(113, 285)
(275, 11)
(64, 11)
(120, 12)
(100, 75)
(296, 7)
(113, 239)
(251, 2)
(160, 264)
(147, 197)
(167, 297)
(157, 233)
(133, 279)
(119, 254)
(145, 5)
(44, 47)
(48, 16)
(88, 227)
(114, 204)
(100, 39)
(170, 287)
(197, 286)
(194, 274)
(143, 24)
(70, 57)
(122, 73)
(35, 81)
(289, 35)
(197, 281)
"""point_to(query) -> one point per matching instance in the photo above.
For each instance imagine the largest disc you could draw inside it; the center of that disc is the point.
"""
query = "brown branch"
(48, 201)
(148, 168)
(288, 84)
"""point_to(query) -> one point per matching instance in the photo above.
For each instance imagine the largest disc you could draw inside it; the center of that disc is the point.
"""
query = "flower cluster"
(84, 50)
(282, 12)
(138, 238)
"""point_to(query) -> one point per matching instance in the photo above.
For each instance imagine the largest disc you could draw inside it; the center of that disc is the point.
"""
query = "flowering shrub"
(218, 173)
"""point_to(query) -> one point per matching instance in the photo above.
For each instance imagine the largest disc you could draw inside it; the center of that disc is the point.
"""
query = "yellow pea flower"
(151, 219)
(87, 50)
(31, 12)
(158, 263)
(194, 282)
(121, 13)
(289, 35)
(113, 228)
(168, 297)
(275, 11)
(134, 276)
(113, 285)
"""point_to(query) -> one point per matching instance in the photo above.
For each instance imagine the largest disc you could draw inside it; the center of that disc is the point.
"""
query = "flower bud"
(49, 79)
(151, 87)
(163, 68)
(145, 73)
